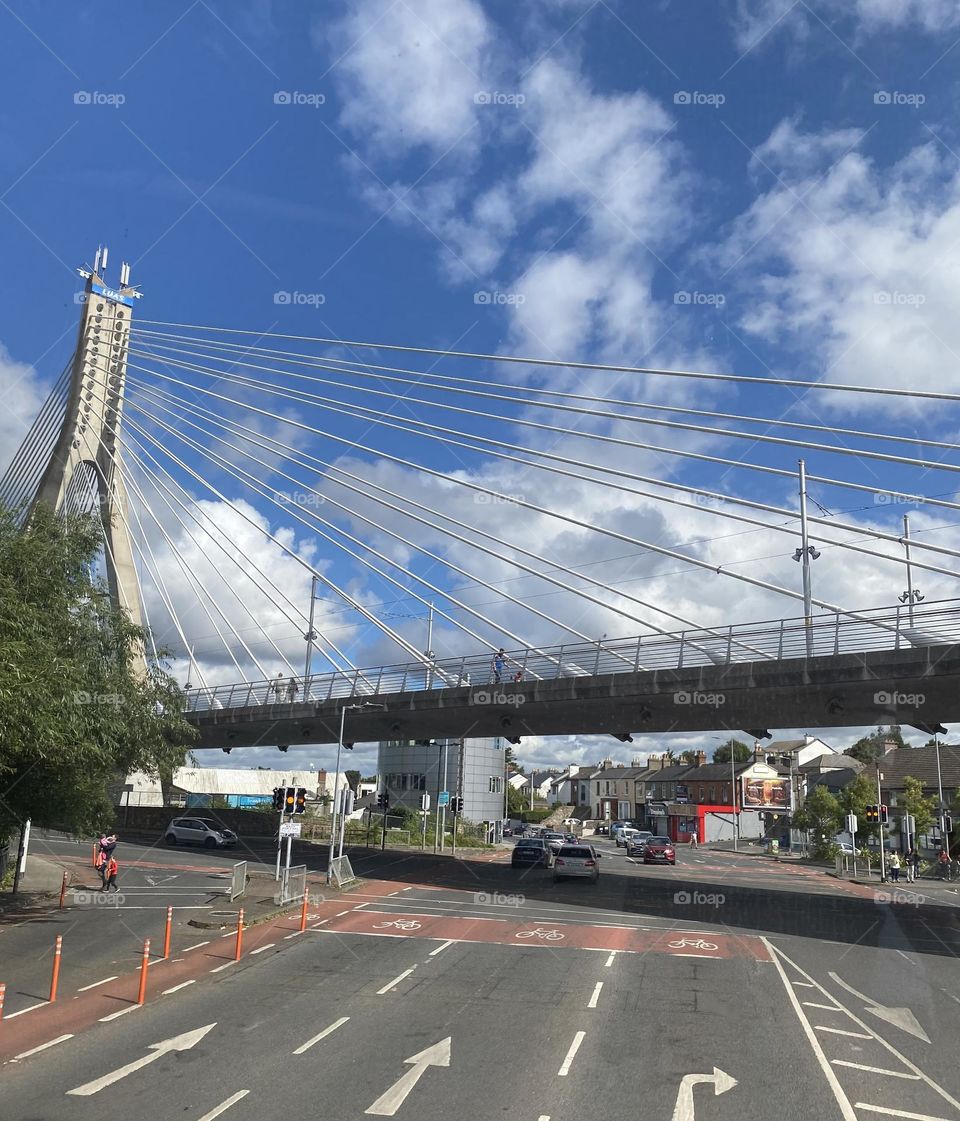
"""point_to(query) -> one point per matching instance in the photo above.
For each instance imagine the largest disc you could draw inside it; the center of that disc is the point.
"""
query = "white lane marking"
(342, 913)
(442, 946)
(802, 984)
(269, 946)
(609, 961)
(902, 1018)
(43, 1046)
(322, 1035)
(571, 1054)
(825, 1007)
(875, 1070)
(117, 1015)
(320, 923)
(935, 1086)
(396, 981)
(183, 1042)
(592, 1002)
(177, 988)
(224, 1106)
(715, 957)
(221, 968)
(105, 981)
(196, 946)
(840, 1031)
(846, 1109)
(900, 1113)
(13, 1015)
(286, 938)
(544, 1117)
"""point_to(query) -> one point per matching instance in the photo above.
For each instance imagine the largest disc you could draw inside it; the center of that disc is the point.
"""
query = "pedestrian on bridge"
(276, 687)
(292, 690)
(500, 661)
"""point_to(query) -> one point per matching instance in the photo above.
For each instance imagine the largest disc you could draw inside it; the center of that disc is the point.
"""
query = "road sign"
(851, 823)
(424, 801)
(443, 798)
(177, 1043)
(390, 1101)
(290, 829)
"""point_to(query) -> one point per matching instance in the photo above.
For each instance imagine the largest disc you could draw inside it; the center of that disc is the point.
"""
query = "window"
(700, 794)
(713, 793)
(495, 785)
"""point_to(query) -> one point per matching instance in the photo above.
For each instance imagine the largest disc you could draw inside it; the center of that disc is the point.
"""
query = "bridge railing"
(835, 633)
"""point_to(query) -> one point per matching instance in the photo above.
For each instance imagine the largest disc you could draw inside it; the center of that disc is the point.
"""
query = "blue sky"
(752, 186)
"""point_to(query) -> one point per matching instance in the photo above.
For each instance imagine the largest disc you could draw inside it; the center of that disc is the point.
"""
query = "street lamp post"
(336, 783)
(733, 794)
(883, 864)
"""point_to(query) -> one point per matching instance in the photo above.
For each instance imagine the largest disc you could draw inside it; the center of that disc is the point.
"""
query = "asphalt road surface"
(513, 996)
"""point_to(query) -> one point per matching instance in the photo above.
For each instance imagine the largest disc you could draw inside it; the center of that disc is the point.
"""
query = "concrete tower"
(88, 438)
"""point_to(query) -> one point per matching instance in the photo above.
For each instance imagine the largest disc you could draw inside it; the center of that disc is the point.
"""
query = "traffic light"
(871, 813)
(884, 816)
(289, 800)
(947, 825)
(278, 796)
(383, 800)
(301, 800)
(456, 804)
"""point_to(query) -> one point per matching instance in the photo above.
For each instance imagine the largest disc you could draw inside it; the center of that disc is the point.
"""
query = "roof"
(836, 779)
(921, 763)
(833, 762)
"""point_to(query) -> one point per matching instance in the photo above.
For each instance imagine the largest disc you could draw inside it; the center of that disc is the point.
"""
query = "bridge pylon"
(87, 452)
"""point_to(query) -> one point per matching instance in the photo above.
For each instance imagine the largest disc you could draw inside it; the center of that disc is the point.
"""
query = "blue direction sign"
(443, 798)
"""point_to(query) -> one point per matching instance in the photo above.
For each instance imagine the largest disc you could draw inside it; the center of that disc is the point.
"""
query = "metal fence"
(293, 884)
(238, 880)
(903, 627)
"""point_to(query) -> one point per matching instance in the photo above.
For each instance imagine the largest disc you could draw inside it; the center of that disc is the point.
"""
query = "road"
(429, 1000)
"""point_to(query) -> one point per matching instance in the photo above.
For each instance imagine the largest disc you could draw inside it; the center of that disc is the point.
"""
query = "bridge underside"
(919, 687)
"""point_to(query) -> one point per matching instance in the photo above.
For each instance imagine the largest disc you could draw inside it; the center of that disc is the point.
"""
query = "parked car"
(531, 850)
(659, 850)
(554, 840)
(577, 860)
(199, 831)
(637, 843)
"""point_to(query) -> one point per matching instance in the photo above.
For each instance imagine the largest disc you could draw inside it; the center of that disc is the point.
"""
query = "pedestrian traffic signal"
(383, 800)
(289, 800)
(884, 816)
(946, 823)
(872, 814)
(278, 797)
(301, 800)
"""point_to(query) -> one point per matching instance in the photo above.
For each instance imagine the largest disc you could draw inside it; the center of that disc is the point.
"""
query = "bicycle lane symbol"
(539, 933)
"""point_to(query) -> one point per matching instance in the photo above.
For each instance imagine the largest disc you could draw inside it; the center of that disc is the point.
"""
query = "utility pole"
(310, 636)
(733, 793)
(883, 863)
(805, 554)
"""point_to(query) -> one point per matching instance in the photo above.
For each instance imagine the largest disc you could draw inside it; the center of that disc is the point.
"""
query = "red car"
(659, 850)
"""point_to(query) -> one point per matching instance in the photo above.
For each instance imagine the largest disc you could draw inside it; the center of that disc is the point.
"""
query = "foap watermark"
(498, 97)
(498, 899)
(296, 98)
(701, 299)
(303, 498)
(889, 498)
(700, 898)
(83, 698)
(299, 299)
(899, 898)
(97, 98)
(88, 898)
(501, 299)
(699, 498)
(695, 97)
(899, 299)
(898, 97)
(713, 700)
(899, 700)
(483, 697)
(497, 499)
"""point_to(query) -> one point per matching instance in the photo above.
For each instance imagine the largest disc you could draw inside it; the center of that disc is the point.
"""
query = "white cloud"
(21, 397)
(408, 72)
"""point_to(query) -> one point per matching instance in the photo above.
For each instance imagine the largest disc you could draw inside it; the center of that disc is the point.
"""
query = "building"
(565, 787)
(472, 769)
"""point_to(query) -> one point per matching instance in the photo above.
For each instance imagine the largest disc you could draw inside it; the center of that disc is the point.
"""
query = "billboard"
(767, 794)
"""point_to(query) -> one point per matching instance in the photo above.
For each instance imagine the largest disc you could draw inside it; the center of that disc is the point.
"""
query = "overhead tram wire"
(726, 514)
(556, 363)
(258, 440)
(430, 378)
(332, 405)
(694, 562)
(728, 433)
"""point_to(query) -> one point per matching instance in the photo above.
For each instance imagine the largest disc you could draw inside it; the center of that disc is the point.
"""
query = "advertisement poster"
(770, 794)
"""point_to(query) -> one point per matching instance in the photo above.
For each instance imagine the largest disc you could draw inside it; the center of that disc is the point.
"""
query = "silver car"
(577, 860)
(199, 831)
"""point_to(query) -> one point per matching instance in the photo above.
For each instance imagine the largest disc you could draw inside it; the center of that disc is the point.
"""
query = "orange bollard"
(63, 890)
(237, 952)
(3, 993)
(303, 911)
(144, 966)
(166, 934)
(93, 855)
(55, 978)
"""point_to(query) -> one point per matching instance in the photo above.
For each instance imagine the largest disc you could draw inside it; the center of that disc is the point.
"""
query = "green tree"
(516, 803)
(78, 710)
(869, 748)
(854, 799)
(923, 807)
(820, 815)
(353, 780)
(510, 758)
(741, 752)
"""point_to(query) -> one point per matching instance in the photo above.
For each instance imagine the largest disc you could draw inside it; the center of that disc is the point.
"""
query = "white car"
(199, 831)
(577, 860)
(624, 835)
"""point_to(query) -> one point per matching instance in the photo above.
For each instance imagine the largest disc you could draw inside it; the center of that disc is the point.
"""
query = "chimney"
(759, 754)
(701, 758)
(889, 745)
(808, 739)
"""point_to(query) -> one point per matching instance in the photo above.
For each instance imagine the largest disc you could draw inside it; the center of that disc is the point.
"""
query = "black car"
(531, 850)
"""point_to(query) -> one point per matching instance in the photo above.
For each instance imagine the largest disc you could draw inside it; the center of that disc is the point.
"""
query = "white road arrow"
(177, 1043)
(155, 881)
(901, 1018)
(684, 1109)
(436, 1056)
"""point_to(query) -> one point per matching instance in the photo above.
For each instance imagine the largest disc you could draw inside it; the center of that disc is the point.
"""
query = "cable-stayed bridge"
(276, 507)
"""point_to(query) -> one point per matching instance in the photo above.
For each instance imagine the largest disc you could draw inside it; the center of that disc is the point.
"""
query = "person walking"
(913, 864)
(110, 875)
(895, 867)
(276, 687)
(292, 690)
(693, 839)
(500, 661)
(943, 864)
